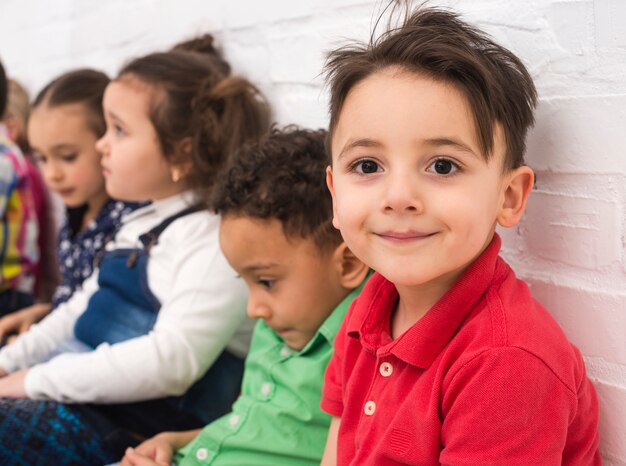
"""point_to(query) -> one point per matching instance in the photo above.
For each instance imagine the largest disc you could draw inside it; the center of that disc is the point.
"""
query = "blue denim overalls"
(125, 308)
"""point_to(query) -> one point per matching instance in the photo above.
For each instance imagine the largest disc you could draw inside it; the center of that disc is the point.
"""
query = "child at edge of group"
(277, 233)
(445, 357)
(46, 271)
(64, 124)
(156, 337)
(19, 252)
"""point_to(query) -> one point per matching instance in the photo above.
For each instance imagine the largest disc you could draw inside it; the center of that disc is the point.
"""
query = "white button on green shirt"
(277, 419)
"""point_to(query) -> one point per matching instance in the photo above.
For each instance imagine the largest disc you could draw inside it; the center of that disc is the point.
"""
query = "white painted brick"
(302, 107)
(297, 57)
(610, 16)
(573, 230)
(584, 134)
(252, 13)
(593, 321)
(572, 24)
(612, 414)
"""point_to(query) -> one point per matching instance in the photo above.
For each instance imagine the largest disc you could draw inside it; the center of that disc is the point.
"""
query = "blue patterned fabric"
(76, 250)
(47, 433)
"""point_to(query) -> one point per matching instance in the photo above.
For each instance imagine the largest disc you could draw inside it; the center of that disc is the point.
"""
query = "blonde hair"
(18, 108)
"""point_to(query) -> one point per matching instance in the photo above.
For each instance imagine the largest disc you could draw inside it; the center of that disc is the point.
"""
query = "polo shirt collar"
(420, 344)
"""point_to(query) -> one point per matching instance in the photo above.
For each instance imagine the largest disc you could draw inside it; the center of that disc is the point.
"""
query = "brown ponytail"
(205, 44)
(226, 115)
(192, 98)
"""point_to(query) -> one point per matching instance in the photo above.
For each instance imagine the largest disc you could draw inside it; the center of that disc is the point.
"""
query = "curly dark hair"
(283, 177)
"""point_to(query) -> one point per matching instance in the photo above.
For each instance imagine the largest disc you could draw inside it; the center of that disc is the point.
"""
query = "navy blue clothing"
(44, 433)
(76, 250)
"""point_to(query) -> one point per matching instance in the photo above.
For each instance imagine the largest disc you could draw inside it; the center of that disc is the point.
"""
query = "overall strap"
(151, 238)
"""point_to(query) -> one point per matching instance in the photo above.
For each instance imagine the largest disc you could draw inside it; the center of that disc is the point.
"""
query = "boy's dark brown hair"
(85, 87)
(282, 177)
(192, 97)
(438, 44)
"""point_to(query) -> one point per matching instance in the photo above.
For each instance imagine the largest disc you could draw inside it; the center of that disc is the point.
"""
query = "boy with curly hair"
(277, 233)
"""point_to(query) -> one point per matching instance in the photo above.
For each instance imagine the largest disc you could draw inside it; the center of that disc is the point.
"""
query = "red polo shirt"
(486, 377)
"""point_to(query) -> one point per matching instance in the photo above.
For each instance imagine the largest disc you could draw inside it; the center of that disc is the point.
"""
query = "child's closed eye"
(69, 157)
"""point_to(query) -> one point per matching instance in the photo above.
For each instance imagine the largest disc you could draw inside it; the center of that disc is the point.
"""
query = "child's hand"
(133, 458)
(158, 450)
(20, 321)
(12, 385)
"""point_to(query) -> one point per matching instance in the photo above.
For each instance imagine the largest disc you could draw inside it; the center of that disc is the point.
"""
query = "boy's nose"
(256, 309)
(402, 193)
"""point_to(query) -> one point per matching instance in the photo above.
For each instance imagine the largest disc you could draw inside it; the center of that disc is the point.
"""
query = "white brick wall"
(571, 244)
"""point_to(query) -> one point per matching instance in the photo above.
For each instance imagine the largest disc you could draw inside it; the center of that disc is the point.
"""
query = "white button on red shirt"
(385, 369)
(370, 408)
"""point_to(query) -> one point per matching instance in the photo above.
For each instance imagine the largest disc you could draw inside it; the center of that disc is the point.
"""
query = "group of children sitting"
(388, 329)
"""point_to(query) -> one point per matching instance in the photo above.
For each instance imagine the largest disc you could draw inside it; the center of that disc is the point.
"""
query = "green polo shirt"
(277, 419)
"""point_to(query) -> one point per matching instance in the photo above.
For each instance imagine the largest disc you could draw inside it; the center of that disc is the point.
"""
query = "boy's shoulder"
(489, 311)
(509, 320)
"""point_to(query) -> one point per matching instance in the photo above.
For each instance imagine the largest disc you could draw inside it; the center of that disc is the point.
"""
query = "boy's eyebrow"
(361, 142)
(450, 142)
(261, 266)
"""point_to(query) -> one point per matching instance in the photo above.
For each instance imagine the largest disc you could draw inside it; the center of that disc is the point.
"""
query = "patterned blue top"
(77, 250)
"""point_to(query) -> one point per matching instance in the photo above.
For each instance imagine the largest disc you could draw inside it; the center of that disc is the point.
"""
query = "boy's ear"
(352, 271)
(516, 190)
(329, 183)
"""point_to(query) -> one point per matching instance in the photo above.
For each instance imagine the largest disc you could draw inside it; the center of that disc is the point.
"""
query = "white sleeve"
(35, 345)
(199, 314)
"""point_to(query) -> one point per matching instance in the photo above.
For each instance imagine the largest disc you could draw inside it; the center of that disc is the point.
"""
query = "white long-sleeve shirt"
(202, 312)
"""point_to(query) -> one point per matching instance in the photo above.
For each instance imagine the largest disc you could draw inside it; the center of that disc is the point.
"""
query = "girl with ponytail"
(156, 338)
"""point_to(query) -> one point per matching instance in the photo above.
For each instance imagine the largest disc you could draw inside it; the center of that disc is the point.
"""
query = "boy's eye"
(69, 157)
(366, 167)
(266, 283)
(443, 167)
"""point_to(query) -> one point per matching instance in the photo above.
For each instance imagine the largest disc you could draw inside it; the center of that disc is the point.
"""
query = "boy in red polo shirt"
(445, 358)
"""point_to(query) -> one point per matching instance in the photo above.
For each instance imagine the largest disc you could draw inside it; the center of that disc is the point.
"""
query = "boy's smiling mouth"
(403, 236)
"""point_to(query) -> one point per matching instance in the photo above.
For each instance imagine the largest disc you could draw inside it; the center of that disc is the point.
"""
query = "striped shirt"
(18, 227)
